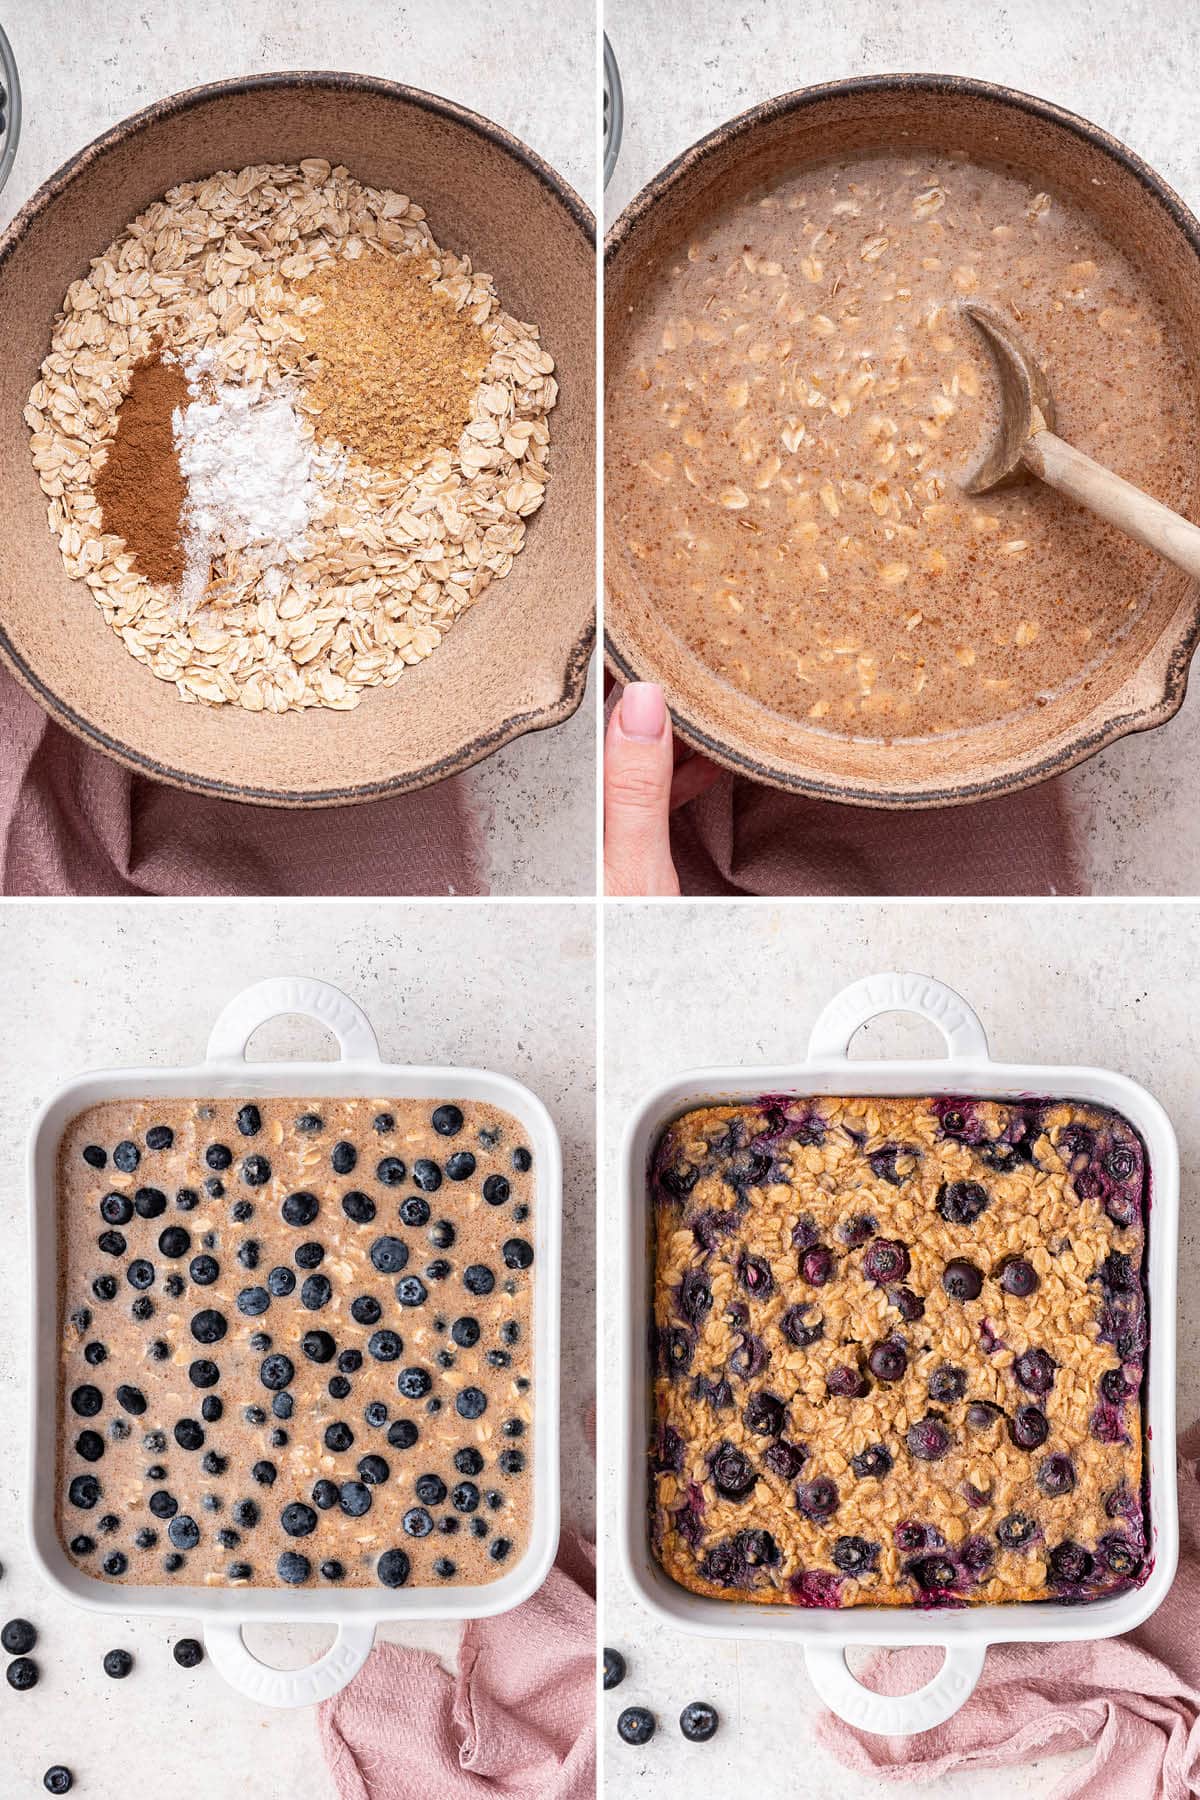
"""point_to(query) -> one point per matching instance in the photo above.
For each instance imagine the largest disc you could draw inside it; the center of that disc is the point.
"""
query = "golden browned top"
(900, 1347)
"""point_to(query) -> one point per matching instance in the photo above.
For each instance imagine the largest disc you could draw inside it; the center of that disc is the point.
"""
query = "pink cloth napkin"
(1136, 1699)
(517, 1722)
(740, 838)
(74, 822)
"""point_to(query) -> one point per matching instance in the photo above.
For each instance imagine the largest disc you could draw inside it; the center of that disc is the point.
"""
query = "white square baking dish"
(963, 1633)
(359, 1072)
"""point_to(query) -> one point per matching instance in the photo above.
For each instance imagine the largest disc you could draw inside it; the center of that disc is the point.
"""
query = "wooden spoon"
(1027, 445)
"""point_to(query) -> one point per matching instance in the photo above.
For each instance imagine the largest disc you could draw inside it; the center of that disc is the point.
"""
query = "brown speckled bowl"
(1143, 682)
(518, 660)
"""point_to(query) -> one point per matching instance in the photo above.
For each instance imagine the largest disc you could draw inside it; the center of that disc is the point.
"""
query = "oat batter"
(800, 401)
(297, 1342)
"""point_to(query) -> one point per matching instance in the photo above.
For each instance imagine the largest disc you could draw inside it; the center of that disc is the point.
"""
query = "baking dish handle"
(895, 1715)
(287, 1687)
(966, 1040)
(318, 1000)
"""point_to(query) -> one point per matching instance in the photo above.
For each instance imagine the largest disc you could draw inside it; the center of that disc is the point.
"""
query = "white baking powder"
(249, 474)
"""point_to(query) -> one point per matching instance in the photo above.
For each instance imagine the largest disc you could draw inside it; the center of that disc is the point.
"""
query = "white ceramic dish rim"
(359, 1071)
(964, 1634)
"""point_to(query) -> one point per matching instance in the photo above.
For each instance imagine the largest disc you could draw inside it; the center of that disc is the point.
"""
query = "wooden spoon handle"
(1063, 467)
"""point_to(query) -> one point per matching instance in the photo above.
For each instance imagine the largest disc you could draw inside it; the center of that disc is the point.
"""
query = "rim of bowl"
(579, 655)
(12, 87)
(1113, 727)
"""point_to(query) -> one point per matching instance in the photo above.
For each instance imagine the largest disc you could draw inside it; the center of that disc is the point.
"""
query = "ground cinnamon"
(140, 487)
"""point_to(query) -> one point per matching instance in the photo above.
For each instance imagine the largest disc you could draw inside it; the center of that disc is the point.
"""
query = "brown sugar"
(140, 487)
(396, 365)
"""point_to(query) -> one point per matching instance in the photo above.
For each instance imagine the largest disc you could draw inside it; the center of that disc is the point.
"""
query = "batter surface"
(800, 401)
(297, 1342)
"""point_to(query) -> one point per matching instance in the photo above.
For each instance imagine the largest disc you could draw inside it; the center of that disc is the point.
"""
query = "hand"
(647, 774)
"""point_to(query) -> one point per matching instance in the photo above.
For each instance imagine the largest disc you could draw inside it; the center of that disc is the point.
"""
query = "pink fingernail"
(643, 711)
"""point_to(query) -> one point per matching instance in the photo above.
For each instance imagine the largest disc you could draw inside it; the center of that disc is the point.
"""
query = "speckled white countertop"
(104, 985)
(688, 65)
(85, 65)
(1116, 986)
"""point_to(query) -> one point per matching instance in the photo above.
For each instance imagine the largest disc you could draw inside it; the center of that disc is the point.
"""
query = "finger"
(637, 794)
(691, 778)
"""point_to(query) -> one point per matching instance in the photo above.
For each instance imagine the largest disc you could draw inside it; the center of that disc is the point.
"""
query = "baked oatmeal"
(899, 1352)
(794, 410)
(296, 1342)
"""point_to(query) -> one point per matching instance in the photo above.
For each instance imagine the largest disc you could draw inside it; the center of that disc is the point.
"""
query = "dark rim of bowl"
(1115, 727)
(575, 673)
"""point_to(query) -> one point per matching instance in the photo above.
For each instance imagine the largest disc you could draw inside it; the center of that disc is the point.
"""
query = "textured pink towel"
(74, 822)
(518, 1722)
(1136, 1698)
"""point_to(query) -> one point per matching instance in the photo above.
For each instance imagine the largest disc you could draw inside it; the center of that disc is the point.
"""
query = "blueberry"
(112, 1243)
(189, 1434)
(300, 1208)
(359, 1208)
(459, 1167)
(1028, 1428)
(445, 1568)
(333, 1570)
(297, 1519)
(82, 1545)
(343, 1157)
(18, 1637)
(799, 1330)
(855, 1555)
(94, 1156)
(636, 1725)
(318, 1346)
(465, 1332)
(510, 1331)
(375, 1413)
(338, 1436)
(522, 1160)
(355, 1499)
(281, 1282)
(393, 1568)
(392, 1171)
(1070, 1563)
(116, 1209)
(411, 1291)
(350, 1361)
(316, 1292)
(385, 1346)
(143, 1306)
(468, 1461)
(471, 1403)
(417, 1522)
(256, 1171)
(947, 1383)
(517, 1253)
(310, 1122)
(189, 1652)
(927, 1439)
(183, 1532)
(511, 1462)
(174, 1241)
(478, 1279)
(875, 1460)
(383, 1122)
(131, 1399)
(204, 1270)
(374, 1470)
(887, 1361)
(218, 1156)
(87, 1400)
(140, 1273)
(982, 1415)
(293, 1568)
(447, 1121)
(1056, 1476)
(614, 1669)
(58, 1779)
(214, 1188)
(325, 1494)
(22, 1674)
(933, 1573)
(885, 1261)
(962, 1280)
(479, 1528)
(496, 1190)
(105, 1287)
(339, 1388)
(1035, 1370)
(94, 1354)
(961, 1202)
(117, 1664)
(847, 1382)
(817, 1500)
(442, 1235)
(187, 1199)
(211, 1409)
(126, 1157)
(249, 1120)
(173, 1562)
(499, 1548)
(246, 1514)
(209, 1326)
(402, 1434)
(163, 1505)
(1018, 1277)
